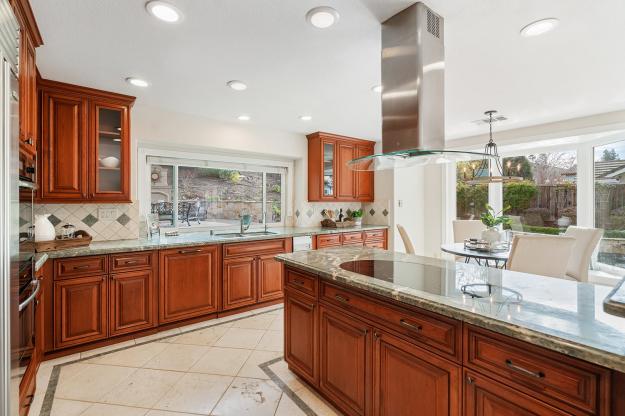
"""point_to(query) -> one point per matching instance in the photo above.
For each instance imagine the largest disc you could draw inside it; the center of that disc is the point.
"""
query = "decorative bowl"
(109, 162)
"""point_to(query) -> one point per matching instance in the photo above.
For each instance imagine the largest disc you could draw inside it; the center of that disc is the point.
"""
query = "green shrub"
(518, 195)
(471, 199)
(614, 234)
(541, 230)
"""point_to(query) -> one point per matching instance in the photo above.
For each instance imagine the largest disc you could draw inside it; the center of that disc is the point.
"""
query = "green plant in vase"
(492, 219)
(357, 216)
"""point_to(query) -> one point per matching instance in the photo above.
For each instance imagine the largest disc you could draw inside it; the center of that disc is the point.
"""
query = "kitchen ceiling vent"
(433, 23)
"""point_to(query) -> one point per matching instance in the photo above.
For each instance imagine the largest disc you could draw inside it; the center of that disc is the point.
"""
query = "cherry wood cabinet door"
(80, 310)
(132, 305)
(364, 180)
(270, 277)
(28, 95)
(486, 397)
(239, 282)
(301, 328)
(346, 178)
(345, 362)
(64, 163)
(401, 369)
(188, 282)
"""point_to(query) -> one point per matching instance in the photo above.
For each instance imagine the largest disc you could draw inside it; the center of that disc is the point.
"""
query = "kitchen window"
(187, 193)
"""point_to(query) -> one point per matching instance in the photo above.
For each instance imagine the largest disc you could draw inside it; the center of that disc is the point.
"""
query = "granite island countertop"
(561, 315)
(189, 239)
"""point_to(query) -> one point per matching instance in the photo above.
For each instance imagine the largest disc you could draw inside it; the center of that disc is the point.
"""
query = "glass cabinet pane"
(109, 139)
(328, 169)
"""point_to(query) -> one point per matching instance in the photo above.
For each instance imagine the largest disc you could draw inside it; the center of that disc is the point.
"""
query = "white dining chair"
(464, 229)
(406, 239)
(543, 255)
(586, 240)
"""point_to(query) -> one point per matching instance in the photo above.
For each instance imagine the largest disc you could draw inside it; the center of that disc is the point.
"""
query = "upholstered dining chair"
(464, 229)
(406, 239)
(586, 240)
(543, 255)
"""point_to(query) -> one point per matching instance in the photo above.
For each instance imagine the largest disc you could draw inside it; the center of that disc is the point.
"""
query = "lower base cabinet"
(270, 277)
(131, 304)
(301, 329)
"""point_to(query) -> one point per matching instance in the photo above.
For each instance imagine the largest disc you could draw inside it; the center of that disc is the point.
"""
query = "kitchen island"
(379, 332)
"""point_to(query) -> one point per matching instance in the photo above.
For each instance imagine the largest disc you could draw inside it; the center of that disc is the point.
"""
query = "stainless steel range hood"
(413, 96)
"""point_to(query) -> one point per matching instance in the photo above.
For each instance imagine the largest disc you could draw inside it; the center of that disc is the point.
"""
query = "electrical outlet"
(400, 203)
(107, 214)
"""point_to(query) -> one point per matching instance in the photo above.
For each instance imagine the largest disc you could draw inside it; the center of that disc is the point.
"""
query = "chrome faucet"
(246, 221)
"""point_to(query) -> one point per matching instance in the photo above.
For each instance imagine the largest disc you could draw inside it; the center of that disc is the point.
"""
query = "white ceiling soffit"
(294, 69)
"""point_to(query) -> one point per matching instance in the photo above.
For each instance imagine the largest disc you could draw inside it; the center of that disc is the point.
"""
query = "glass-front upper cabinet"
(329, 174)
(111, 149)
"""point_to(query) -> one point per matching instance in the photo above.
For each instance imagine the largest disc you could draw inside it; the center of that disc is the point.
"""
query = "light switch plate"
(107, 214)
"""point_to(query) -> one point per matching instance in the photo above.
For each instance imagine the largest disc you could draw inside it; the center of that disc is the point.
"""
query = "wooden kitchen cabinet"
(345, 360)
(401, 369)
(84, 151)
(80, 310)
(188, 282)
(132, 305)
(329, 177)
(270, 278)
(239, 282)
(301, 332)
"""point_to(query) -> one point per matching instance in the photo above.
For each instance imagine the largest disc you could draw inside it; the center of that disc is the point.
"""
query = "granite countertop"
(615, 302)
(188, 239)
(561, 315)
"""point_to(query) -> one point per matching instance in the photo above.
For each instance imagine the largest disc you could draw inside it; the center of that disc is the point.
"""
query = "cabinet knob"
(29, 141)
(376, 335)
(470, 380)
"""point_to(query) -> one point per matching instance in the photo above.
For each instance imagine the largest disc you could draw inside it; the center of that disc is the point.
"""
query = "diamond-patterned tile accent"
(309, 213)
(89, 220)
(385, 212)
(123, 219)
(297, 213)
(54, 220)
(372, 212)
(23, 222)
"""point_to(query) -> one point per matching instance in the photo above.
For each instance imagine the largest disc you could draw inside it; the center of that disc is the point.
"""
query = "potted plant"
(492, 220)
(357, 216)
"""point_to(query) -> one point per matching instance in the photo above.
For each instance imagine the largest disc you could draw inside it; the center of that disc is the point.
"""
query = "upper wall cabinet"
(329, 177)
(85, 144)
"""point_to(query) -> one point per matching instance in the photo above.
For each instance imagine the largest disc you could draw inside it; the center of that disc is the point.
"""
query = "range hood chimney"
(413, 95)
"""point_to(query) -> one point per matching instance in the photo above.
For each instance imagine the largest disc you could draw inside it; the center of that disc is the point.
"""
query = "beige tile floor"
(209, 368)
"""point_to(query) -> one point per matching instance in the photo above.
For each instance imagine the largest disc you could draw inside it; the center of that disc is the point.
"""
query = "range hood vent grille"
(433, 23)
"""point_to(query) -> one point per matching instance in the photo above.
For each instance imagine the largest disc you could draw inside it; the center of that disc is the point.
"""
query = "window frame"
(218, 159)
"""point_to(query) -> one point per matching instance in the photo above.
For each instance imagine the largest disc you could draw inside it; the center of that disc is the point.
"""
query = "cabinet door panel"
(28, 95)
(401, 369)
(239, 282)
(188, 282)
(364, 180)
(132, 305)
(485, 397)
(64, 147)
(80, 312)
(345, 361)
(301, 330)
(346, 183)
(270, 277)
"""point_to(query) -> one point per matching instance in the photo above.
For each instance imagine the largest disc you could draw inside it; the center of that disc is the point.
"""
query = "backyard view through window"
(187, 196)
(609, 175)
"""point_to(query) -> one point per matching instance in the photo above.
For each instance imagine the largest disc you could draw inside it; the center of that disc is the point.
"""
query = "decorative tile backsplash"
(377, 213)
(309, 214)
(123, 225)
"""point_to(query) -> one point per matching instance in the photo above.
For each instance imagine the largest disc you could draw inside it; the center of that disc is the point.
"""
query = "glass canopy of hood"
(413, 157)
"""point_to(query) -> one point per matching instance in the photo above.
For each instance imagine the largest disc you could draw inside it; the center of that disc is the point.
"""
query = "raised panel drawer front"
(302, 282)
(133, 261)
(80, 266)
(563, 381)
(375, 244)
(374, 235)
(433, 331)
(328, 240)
(352, 238)
(279, 245)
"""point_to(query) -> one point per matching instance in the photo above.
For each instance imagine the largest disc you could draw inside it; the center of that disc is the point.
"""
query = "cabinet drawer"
(374, 244)
(328, 240)
(352, 238)
(302, 282)
(132, 261)
(550, 376)
(256, 247)
(432, 331)
(80, 266)
(374, 235)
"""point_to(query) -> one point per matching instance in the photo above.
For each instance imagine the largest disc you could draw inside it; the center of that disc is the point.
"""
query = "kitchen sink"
(250, 233)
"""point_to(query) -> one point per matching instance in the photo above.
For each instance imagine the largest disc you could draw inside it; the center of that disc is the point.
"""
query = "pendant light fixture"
(491, 169)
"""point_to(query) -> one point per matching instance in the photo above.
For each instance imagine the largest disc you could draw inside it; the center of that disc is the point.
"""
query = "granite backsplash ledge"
(102, 221)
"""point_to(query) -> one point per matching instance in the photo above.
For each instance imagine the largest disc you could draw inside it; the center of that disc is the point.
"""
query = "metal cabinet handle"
(298, 282)
(341, 299)
(525, 371)
(29, 141)
(127, 262)
(376, 335)
(470, 380)
(86, 266)
(406, 324)
(23, 305)
(197, 250)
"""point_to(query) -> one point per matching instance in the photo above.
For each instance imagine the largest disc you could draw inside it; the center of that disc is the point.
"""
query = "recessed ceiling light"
(237, 85)
(376, 88)
(322, 17)
(163, 11)
(137, 82)
(305, 118)
(539, 27)
(244, 117)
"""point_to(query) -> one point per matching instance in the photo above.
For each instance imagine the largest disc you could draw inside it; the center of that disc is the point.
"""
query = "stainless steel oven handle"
(24, 304)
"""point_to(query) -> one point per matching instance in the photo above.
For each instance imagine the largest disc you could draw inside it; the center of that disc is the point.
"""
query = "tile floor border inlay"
(48, 400)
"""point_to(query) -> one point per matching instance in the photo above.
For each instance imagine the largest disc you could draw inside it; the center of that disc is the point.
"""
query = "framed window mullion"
(264, 207)
(174, 213)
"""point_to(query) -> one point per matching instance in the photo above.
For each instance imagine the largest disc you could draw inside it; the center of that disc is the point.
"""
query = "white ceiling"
(294, 69)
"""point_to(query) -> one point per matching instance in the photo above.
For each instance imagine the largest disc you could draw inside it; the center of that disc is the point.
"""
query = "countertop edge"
(533, 336)
(612, 306)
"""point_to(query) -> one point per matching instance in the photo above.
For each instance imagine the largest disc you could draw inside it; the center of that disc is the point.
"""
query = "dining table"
(496, 259)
